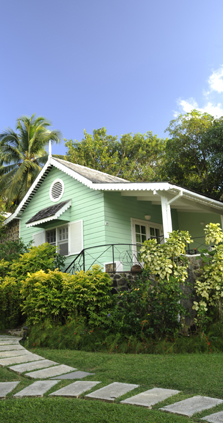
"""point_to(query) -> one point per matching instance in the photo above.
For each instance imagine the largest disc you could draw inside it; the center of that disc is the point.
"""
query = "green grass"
(194, 374)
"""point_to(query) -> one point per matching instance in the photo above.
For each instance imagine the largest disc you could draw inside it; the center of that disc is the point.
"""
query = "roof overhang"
(179, 198)
(144, 191)
(54, 216)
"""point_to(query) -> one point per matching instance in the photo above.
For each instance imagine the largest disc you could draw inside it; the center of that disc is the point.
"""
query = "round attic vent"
(56, 190)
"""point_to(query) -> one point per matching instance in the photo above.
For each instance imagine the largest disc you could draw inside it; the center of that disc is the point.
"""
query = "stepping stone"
(150, 397)
(12, 347)
(6, 354)
(214, 418)
(37, 389)
(6, 387)
(75, 389)
(74, 375)
(21, 368)
(192, 405)
(50, 372)
(112, 391)
(21, 359)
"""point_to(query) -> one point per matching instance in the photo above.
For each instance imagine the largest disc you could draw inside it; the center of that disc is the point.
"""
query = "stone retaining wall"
(12, 230)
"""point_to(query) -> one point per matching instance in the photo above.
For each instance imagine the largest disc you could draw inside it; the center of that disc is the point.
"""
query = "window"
(143, 230)
(56, 190)
(68, 238)
(59, 237)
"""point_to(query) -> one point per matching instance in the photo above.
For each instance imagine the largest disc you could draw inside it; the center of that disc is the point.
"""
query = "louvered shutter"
(39, 239)
(76, 237)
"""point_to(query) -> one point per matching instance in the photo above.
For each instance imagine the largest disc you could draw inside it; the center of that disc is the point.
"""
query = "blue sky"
(130, 66)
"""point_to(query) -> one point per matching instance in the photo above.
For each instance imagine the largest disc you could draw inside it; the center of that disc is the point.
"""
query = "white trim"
(51, 187)
(147, 224)
(82, 237)
(133, 187)
(54, 217)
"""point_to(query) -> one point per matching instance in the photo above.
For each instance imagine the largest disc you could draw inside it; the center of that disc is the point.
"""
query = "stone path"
(11, 352)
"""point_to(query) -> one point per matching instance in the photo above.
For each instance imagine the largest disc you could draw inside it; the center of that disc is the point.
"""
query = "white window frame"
(69, 236)
(147, 224)
(51, 186)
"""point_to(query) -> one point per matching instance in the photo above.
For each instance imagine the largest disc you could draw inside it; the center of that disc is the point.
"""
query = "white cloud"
(216, 80)
(210, 101)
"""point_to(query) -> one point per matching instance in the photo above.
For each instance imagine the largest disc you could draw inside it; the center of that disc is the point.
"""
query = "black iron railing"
(197, 244)
(119, 257)
(114, 258)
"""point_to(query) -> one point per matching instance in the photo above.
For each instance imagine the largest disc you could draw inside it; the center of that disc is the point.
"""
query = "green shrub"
(150, 309)
(43, 258)
(10, 302)
(56, 296)
(209, 284)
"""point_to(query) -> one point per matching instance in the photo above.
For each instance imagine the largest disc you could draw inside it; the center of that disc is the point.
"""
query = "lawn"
(192, 374)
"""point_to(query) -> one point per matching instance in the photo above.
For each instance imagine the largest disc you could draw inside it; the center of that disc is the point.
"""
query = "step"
(6, 387)
(74, 375)
(37, 389)
(21, 368)
(50, 372)
(21, 359)
(75, 389)
(192, 405)
(111, 392)
(150, 397)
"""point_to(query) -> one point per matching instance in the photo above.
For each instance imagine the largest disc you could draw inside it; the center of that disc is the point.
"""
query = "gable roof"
(144, 191)
(92, 175)
(49, 213)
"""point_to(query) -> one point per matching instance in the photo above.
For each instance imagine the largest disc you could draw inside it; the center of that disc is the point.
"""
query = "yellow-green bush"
(57, 296)
(10, 300)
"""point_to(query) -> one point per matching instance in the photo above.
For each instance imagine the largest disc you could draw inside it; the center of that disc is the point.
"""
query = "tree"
(22, 155)
(135, 157)
(194, 154)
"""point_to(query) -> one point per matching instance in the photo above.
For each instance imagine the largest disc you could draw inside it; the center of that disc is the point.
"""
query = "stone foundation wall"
(12, 230)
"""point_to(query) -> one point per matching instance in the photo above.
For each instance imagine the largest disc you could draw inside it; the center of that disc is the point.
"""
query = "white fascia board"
(132, 186)
(159, 186)
(48, 219)
(33, 186)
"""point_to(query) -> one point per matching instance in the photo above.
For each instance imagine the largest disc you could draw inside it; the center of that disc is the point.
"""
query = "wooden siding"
(87, 205)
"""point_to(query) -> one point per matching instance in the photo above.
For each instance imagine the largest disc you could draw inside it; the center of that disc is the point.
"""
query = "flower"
(109, 314)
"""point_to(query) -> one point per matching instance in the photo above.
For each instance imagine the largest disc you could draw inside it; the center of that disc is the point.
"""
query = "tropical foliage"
(209, 284)
(22, 154)
(135, 157)
(194, 153)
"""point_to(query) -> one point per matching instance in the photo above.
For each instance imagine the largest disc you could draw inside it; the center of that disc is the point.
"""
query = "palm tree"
(22, 156)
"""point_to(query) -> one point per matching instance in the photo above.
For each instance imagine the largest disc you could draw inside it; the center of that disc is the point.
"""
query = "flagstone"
(75, 389)
(74, 375)
(214, 418)
(150, 397)
(12, 347)
(20, 359)
(50, 372)
(14, 353)
(192, 405)
(9, 342)
(6, 387)
(21, 368)
(112, 391)
(37, 389)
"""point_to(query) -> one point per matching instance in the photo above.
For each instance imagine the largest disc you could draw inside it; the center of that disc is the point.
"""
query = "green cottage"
(96, 218)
